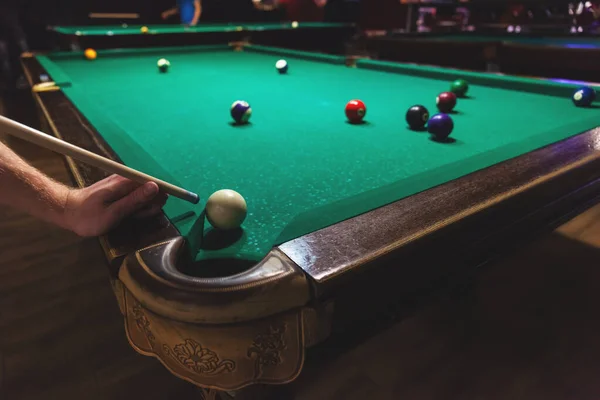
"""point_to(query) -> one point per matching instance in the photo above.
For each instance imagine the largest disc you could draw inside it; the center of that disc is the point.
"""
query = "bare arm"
(25, 188)
(197, 12)
(90, 211)
(170, 12)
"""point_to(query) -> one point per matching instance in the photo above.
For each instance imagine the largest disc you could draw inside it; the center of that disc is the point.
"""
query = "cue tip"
(194, 198)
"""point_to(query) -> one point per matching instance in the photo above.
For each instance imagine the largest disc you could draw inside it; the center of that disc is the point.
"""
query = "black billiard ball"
(440, 126)
(417, 117)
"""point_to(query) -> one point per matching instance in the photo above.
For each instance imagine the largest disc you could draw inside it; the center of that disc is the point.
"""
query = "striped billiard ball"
(163, 65)
(446, 102)
(282, 66)
(241, 112)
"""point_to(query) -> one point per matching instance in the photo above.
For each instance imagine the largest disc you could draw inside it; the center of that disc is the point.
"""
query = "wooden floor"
(527, 327)
(61, 332)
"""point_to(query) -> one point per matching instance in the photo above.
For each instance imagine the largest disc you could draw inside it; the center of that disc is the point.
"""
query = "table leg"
(408, 24)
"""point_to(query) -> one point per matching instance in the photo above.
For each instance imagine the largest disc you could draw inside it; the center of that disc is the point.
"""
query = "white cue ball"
(226, 209)
(295, 24)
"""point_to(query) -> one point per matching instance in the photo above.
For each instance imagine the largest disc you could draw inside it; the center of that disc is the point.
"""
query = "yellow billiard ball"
(226, 209)
(144, 29)
(90, 54)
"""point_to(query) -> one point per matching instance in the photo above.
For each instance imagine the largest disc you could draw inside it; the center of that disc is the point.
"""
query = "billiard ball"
(163, 65)
(144, 29)
(355, 111)
(90, 54)
(584, 96)
(417, 117)
(241, 112)
(295, 24)
(440, 126)
(282, 66)
(226, 209)
(446, 102)
(459, 87)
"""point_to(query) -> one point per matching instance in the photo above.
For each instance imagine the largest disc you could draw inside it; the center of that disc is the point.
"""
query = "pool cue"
(34, 136)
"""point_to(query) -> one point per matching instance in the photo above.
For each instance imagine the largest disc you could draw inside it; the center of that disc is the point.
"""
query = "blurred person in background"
(13, 42)
(189, 12)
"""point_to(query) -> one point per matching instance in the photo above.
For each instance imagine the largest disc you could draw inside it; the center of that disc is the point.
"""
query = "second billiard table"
(344, 220)
(566, 57)
(314, 36)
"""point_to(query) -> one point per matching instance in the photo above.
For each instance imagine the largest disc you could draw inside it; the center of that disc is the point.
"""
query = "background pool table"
(313, 36)
(335, 209)
(574, 57)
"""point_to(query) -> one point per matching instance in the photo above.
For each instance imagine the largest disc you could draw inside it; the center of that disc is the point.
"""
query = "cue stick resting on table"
(34, 136)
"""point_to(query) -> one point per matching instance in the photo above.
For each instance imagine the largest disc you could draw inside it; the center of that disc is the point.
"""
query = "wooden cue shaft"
(34, 136)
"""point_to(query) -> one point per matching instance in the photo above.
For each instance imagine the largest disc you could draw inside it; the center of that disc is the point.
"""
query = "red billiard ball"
(355, 111)
(446, 102)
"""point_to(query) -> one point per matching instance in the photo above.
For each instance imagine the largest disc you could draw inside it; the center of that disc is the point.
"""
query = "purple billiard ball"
(440, 126)
(241, 112)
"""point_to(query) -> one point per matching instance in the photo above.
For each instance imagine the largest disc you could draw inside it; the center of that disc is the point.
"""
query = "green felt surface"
(116, 30)
(299, 164)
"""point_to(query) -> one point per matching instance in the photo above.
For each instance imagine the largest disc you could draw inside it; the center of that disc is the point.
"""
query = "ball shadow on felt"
(241, 124)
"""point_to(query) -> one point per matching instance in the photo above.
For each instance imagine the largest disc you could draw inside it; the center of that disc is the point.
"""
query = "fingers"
(113, 188)
(116, 187)
(154, 208)
(133, 202)
(147, 212)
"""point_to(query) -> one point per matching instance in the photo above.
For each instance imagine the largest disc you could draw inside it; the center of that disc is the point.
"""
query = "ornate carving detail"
(142, 321)
(267, 348)
(201, 360)
(208, 394)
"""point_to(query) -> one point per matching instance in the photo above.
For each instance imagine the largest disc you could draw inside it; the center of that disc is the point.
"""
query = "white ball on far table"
(295, 24)
(226, 209)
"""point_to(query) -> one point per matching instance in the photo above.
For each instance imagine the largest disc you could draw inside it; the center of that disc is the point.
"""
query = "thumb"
(134, 201)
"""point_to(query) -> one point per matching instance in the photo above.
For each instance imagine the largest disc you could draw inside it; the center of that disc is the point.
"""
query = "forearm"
(170, 11)
(197, 12)
(27, 189)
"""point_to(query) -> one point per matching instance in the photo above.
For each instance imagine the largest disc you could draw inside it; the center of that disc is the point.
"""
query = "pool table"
(313, 36)
(573, 58)
(345, 221)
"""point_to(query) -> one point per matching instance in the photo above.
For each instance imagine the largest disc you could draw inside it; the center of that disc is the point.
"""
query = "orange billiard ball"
(355, 111)
(144, 29)
(90, 54)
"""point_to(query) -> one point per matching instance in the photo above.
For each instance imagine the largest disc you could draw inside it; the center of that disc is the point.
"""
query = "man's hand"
(94, 210)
